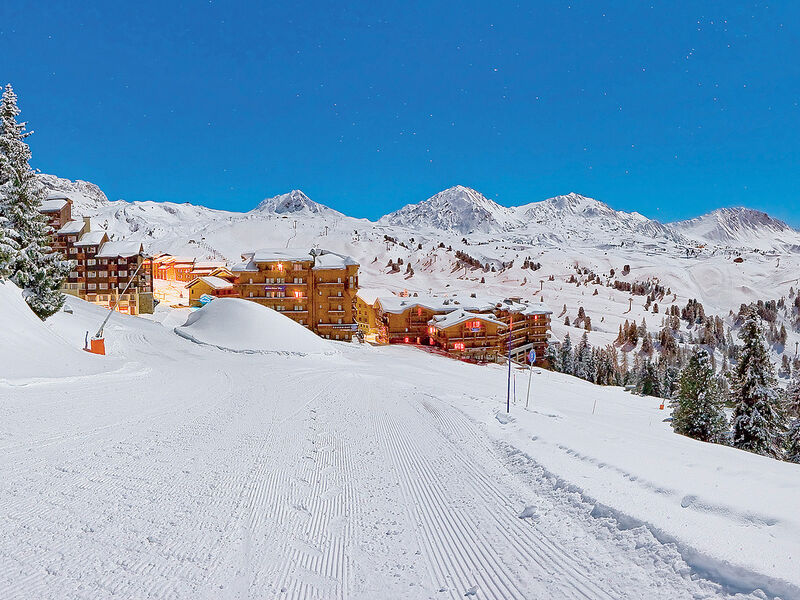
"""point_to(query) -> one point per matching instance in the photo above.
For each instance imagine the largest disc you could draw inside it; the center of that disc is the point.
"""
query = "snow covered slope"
(296, 203)
(458, 209)
(30, 350)
(371, 473)
(741, 227)
(243, 326)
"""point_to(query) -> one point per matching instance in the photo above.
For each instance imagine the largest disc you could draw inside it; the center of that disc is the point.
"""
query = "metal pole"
(508, 394)
(528, 395)
(99, 333)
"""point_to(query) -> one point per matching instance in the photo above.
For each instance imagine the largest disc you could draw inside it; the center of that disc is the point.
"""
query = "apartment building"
(101, 267)
(315, 287)
(419, 320)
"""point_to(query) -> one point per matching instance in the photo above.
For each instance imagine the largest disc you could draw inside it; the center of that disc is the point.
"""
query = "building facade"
(316, 288)
(101, 268)
(416, 319)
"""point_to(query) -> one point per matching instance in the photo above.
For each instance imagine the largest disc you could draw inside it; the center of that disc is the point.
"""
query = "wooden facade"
(100, 268)
(514, 324)
(468, 335)
(317, 289)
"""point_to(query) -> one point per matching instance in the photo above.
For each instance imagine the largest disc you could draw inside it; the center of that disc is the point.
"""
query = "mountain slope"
(573, 216)
(294, 202)
(457, 209)
(739, 226)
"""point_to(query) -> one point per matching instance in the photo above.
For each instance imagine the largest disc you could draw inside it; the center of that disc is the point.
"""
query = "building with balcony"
(316, 288)
(101, 268)
(415, 320)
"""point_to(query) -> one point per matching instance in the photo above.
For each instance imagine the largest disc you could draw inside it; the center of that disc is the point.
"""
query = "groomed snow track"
(199, 473)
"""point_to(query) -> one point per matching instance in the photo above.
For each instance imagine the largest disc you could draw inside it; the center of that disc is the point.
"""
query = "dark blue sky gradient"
(669, 109)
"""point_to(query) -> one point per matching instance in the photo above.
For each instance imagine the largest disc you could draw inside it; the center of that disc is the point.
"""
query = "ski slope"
(369, 473)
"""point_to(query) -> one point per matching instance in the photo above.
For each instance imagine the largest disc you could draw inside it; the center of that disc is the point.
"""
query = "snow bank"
(244, 326)
(29, 349)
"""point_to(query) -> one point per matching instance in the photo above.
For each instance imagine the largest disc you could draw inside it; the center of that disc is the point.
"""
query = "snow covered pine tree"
(757, 417)
(34, 266)
(697, 410)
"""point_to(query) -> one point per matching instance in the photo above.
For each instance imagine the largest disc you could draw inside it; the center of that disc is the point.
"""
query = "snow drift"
(29, 349)
(244, 326)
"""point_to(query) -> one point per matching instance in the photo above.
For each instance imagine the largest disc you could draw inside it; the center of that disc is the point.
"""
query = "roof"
(209, 264)
(92, 238)
(121, 248)
(278, 254)
(215, 282)
(325, 259)
(71, 227)
(446, 304)
(460, 316)
(246, 266)
(53, 205)
(369, 295)
(57, 196)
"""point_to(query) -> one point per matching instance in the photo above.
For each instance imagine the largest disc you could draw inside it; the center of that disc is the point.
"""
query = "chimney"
(87, 222)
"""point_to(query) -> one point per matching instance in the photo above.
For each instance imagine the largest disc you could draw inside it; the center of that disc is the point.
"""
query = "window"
(92, 274)
(122, 273)
(297, 267)
(103, 286)
(102, 274)
(251, 294)
(92, 286)
(251, 281)
(339, 321)
(73, 273)
(338, 280)
(340, 307)
(339, 294)
(280, 280)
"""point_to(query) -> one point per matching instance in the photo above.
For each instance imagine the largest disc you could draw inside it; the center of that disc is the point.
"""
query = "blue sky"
(665, 108)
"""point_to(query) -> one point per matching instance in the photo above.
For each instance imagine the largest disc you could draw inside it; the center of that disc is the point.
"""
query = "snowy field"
(182, 470)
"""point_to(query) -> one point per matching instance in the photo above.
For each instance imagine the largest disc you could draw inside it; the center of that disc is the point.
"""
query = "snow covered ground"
(374, 473)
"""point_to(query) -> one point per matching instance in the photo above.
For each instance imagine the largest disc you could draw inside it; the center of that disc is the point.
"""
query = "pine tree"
(649, 383)
(567, 360)
(757, 417)
(697, 411)
(34, 266)
(584, 360)
(8, 248)
(793, 442)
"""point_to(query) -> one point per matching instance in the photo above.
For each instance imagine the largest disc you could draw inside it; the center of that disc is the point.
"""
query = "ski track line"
(460, 556)
(546, 552)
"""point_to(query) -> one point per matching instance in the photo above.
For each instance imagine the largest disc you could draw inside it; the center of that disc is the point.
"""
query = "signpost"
(531, 360)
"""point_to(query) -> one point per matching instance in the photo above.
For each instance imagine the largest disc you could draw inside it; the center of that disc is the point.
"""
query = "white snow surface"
(244, 326)
(29, 350)
(370, 473)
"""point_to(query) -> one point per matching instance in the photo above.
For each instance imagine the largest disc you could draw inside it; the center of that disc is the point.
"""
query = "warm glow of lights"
(280, 266)
(298, 294)
(406, 340)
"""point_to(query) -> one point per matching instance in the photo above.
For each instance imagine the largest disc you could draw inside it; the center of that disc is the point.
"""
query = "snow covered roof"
(121, 248)
(71, 228)
(325, 259)
(278, 254)
(53, 205)
(369, 295)
(398, 304)
(445, 304)
(246, 266)
(57, 196)
(209, 264)
(215, 282)
(460, 316)
(92, 238)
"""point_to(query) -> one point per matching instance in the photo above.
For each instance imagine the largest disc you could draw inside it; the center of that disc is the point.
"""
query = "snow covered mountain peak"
(737, 226)
(458, 209)
(293, 202)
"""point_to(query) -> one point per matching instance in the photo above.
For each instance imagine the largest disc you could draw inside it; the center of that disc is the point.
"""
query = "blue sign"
(532, 356)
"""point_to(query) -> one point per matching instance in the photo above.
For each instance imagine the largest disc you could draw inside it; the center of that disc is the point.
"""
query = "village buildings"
(315, 288)
(101, 268)
(476, 328)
